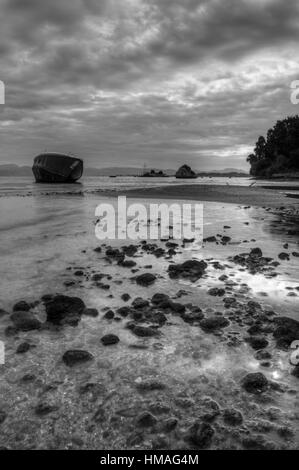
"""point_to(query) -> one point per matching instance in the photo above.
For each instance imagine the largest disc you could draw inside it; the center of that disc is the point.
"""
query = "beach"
(152, 344)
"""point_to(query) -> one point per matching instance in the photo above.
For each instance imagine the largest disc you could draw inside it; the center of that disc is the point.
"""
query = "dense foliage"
(279, 153)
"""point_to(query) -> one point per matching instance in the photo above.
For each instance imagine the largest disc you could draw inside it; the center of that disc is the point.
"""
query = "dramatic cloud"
(129, 82)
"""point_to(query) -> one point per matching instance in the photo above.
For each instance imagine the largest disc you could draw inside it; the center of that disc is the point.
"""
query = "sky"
(155, 82)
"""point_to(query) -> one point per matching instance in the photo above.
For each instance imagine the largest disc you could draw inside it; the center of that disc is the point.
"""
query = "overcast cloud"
(128, 82)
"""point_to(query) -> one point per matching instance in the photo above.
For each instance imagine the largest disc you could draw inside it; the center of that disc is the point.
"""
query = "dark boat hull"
(57, 168)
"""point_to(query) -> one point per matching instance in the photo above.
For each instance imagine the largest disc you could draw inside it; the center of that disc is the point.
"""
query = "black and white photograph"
(149, 222)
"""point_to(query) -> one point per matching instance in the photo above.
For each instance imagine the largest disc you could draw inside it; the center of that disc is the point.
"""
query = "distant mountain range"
(12, 169)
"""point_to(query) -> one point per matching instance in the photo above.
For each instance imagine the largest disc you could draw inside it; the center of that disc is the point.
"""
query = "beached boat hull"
(57, 168)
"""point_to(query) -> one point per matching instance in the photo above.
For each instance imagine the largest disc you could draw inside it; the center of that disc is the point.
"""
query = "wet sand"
(242, 195)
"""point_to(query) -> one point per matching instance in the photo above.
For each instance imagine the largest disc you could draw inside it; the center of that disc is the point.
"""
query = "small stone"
(90, 312)
(213, 323)
(146, 420)
(146, 279)
(45, 408)
(255, 383)
(140, 303)
(125, 297)
(76, 356)
(109, 315)
(200, 434)
(21, 306)
(232, 417)
(3, 416)
(109, 339)
(257, 342)
(23, 348)
(25, 321)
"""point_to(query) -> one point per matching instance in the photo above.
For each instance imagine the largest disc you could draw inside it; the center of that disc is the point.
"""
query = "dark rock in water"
(109, 315)
(98, 249)
(45, 408)
(159, 298)
(143, 331)
(256, 253)
(3, 416)
(3, 313)
(210, 239)
(127, 263)
(79, 273)
(21, 306)
(232, 417)
(192, 269)
(286, 331)
(284, 256)
(217, 292)
(147, 385)
(90, 312)
(125, 297)
(257, 342)
(295, 372)
(109, 339)
(200, 434)
(212, 409)
(62, 309)
(146, 420)
(76, 356)
(25, 321)
(146, 279)
(23, 348)
(193, 316)
(295, 254)
(262, 355)
(10, 331)
(170, 424)
(255, 383)
(213, 323)
(124, 311)
(139, 302)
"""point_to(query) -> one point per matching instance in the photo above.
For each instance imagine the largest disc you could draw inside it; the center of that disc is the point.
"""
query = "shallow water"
(40, 238)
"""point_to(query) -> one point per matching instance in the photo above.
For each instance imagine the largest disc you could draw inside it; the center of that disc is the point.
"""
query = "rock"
(143, 331)
(193, 316)
(200, 434)
(256, 253)
(213, 323)
(109, 315)
(139, 303)
(90, 312)
(284, 256)
(128, 263)
(255, 383)
(159, 298)
(25, 321)
(232, 417)
(21, 306)
(257, 342)
(76, 356)
(295, 372)
(44, 408)
(3, 416)
(98, 249)
(62, 309)
(125, 297)
(170, 424)
(262, 355)
(295, 254)
(109, 339)
(146, 420)
(159, 408)
(23, 348)
(192, 269)
(3, 313)
(286, 331)
(211, 409)
(149, 385)
(185, 172)
(212, 239)
(146, 279)
(216, 292)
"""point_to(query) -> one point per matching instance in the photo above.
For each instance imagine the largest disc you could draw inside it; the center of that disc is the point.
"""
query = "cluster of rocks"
(255, 262)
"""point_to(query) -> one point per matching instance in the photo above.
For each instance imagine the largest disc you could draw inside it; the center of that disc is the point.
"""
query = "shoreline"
(240, 195)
